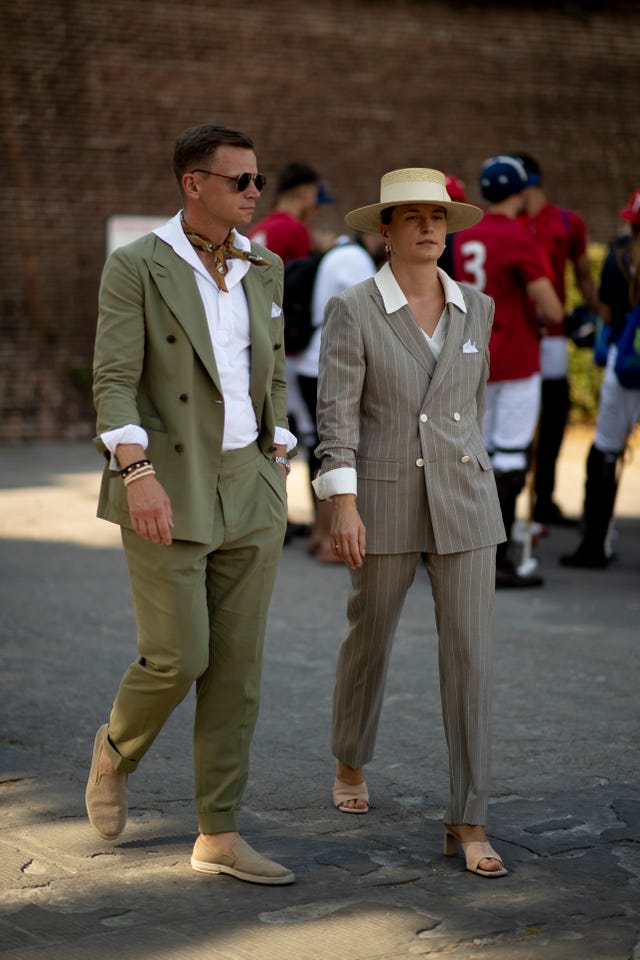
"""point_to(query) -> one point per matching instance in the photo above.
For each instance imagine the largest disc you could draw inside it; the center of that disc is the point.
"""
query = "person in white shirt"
(190, 395)
(348, 262)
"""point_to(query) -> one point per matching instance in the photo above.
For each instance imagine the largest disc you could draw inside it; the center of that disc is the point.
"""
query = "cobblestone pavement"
(564, 813)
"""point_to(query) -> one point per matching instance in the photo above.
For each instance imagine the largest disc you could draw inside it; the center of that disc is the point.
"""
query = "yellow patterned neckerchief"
(220, 251)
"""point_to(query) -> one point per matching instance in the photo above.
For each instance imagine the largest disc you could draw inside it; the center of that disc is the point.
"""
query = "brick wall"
(93, 94)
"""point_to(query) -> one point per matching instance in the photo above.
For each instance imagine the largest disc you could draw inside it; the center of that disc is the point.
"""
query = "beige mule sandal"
(475, 851)
(344, 792)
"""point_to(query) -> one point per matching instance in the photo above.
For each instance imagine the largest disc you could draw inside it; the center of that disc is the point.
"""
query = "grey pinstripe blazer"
(410, 427)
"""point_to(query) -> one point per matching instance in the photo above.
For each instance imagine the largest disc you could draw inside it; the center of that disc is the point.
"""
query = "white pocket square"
(469, 347)
(275, 310)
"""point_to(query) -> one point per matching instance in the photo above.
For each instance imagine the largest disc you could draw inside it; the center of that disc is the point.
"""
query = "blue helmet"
(501, 177)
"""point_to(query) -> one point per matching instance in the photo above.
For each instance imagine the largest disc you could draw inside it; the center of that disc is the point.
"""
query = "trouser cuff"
(218, 822)
(120, 764)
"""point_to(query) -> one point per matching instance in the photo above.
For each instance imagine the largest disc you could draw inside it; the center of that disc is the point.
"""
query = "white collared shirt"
(394, 299)
(345, 479)
(229, 328)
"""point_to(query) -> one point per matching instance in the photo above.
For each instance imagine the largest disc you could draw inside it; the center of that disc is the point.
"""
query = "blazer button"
(423, 418)
(184, 397)
(465, 459)
(171, 338)
(419, 462)
(456, 416)
(179, 447)
(277, 346)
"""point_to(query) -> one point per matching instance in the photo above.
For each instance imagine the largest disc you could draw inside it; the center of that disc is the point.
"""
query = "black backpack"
(299, 278)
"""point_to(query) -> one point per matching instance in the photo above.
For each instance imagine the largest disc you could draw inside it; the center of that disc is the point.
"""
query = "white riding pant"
(618, 411)
(511, 414)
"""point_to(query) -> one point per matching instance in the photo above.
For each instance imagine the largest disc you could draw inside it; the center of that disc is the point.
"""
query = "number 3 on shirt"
(474, 257)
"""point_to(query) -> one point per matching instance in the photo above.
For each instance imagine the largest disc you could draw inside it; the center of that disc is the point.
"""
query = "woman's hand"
(348, 533)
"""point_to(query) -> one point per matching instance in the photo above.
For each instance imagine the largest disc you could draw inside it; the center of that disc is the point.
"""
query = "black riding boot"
(554, 412)
(599, 497)
(509, 485)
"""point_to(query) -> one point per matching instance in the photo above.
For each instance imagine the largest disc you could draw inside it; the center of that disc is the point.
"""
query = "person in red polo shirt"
(497, 257)
(285, 230)
(562, 235)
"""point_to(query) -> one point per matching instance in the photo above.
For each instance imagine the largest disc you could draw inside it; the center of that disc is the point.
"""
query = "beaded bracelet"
(134, 466)
(138, 474)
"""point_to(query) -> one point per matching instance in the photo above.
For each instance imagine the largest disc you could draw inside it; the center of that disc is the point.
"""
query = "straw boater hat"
(414, 185)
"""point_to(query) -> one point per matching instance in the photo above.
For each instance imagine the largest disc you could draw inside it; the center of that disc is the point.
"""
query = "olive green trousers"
(201, 612)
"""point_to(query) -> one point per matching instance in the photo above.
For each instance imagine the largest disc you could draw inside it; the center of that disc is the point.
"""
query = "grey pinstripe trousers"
(463, 589)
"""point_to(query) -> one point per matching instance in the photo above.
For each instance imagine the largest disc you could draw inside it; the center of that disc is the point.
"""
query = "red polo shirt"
(283, 235)
(562, 235)
(497, 257)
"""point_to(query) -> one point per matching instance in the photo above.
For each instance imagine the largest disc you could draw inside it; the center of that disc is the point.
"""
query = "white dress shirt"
(344, 265)
(345, 479)
(228, 321)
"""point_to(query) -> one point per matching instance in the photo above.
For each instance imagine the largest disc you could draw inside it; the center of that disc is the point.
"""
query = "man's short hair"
(533, 168)
(296, 175)
(199, 144)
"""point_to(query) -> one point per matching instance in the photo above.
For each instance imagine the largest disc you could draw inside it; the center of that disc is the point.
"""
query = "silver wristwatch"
(285, 463)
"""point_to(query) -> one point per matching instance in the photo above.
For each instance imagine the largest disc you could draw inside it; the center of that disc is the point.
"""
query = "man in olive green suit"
(191, 401)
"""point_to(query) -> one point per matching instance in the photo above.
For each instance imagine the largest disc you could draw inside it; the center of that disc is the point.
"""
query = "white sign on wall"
(124, 229)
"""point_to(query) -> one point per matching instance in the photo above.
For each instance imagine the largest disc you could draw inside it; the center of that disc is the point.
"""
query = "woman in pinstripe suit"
(403, 366)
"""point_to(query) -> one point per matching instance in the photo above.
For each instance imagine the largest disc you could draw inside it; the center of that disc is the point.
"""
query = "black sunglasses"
(242, 181)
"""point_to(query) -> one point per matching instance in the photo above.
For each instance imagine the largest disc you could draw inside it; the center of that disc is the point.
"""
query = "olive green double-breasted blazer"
(154, 366)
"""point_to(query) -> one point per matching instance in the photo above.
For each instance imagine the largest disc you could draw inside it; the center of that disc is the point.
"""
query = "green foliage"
(585, 379)
(82, 378)
(584, 376)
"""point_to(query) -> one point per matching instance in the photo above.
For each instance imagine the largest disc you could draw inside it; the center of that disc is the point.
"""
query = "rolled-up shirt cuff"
(334, 482)
(285, 436)
(131, 433)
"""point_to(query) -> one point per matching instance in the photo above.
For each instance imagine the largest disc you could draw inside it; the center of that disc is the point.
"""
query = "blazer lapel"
(178, 288)
(404, 325)
(258, 288)
(407, 330)
(452, 343)
(459, 330)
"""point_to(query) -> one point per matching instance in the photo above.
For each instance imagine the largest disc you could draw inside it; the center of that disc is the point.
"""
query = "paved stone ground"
(565, 812)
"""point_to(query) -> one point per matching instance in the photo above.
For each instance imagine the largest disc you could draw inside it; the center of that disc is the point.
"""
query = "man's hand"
(280, 450)
(150, 510)
(348, 533)
(149, 506)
